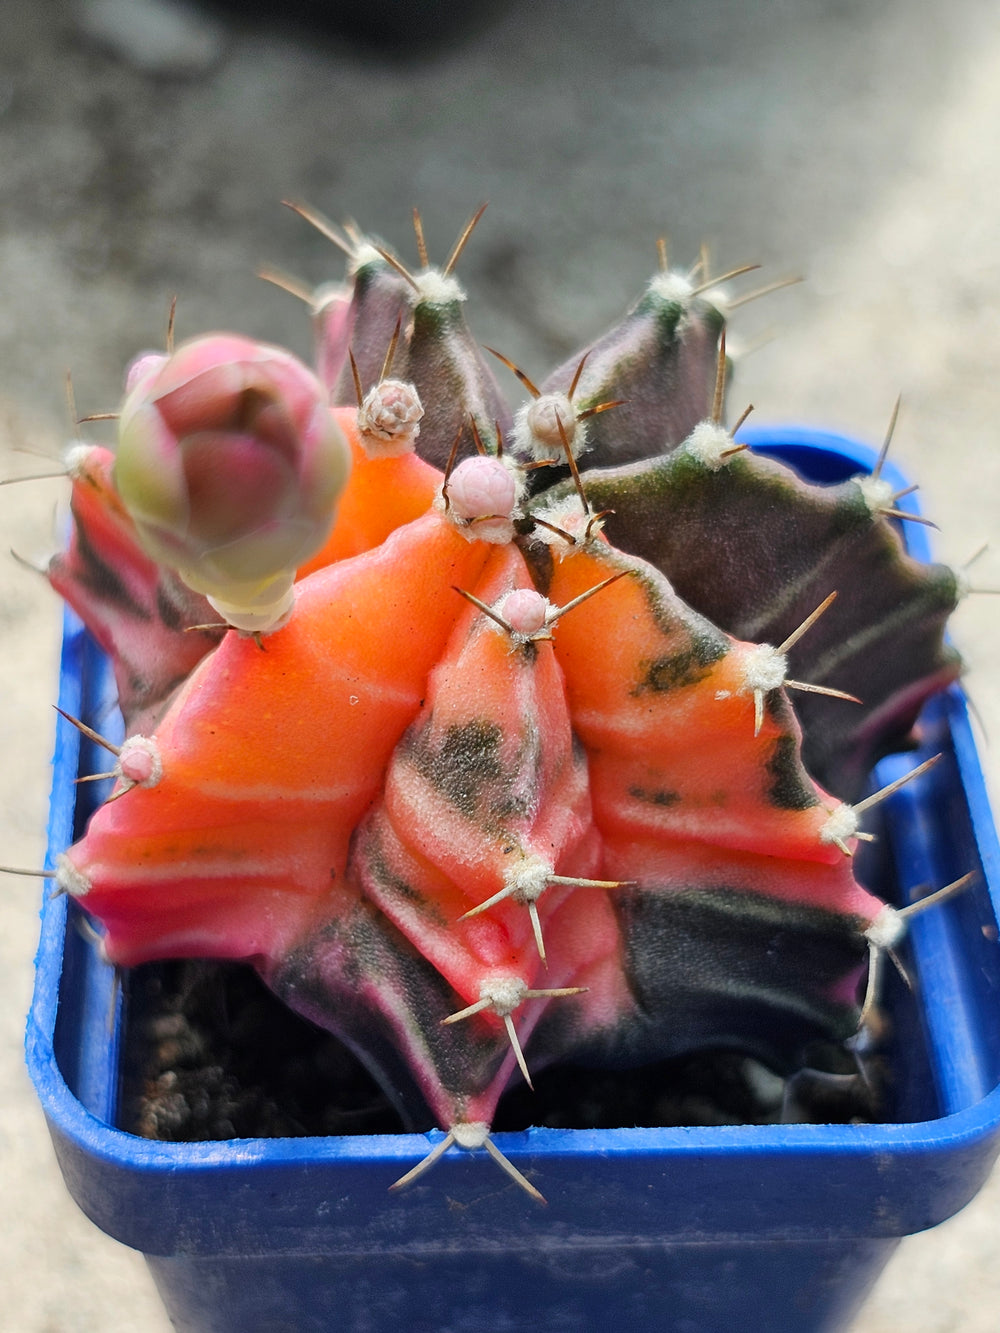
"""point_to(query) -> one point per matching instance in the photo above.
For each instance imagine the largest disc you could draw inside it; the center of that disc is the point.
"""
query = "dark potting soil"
(211, 1054)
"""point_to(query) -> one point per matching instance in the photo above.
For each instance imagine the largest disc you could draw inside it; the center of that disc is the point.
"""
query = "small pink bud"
(480, 486)
(525, 611)
(483, 492)
(139, 761)
(389, 419)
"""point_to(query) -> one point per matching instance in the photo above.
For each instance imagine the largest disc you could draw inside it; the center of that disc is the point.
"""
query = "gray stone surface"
(852, 143)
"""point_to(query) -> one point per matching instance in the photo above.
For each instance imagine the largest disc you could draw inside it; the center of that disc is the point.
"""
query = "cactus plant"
(555, 750)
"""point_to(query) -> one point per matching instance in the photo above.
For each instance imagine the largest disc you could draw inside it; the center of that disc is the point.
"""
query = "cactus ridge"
(518, 779)
(883, 640)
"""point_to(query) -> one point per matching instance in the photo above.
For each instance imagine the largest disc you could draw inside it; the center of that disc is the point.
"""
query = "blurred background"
(144, 152)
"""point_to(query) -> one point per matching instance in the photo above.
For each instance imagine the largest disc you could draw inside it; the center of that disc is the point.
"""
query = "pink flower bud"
(537, 430)
(389, 419)
(144, 367)
(481, 486)
(139, 761)
(483, 493)
(525, 611)
(231, 464)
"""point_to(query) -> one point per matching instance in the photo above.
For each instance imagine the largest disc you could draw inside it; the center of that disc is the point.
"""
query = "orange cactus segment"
(644, 674)
(270, 757)
(485, 787)
(329, 694)
(381, 494)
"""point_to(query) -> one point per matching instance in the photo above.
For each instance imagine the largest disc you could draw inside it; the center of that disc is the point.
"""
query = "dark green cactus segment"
(721, 968)
(361, 978)
(715, 534)
(755, 549)
(894, 664)
(381, 297)
(739, 969)
(435, 352)
(661, 359)
(456, 386)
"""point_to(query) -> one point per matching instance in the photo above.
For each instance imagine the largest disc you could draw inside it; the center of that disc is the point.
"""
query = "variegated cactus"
(525, 767)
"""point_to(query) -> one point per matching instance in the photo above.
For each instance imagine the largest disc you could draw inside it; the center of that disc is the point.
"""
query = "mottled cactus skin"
(467, 821)
(883, 638)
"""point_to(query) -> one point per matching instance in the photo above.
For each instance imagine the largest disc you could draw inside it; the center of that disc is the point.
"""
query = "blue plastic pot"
(692, 1230)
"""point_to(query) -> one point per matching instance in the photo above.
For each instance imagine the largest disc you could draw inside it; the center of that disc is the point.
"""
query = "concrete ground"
(854, 144)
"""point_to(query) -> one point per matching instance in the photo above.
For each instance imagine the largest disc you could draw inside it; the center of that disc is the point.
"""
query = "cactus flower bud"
(482, 494)
(231, 464)
(143, 368)
(389, 419)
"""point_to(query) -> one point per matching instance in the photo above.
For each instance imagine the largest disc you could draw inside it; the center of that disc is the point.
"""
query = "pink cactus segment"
(737, 802)
(271, 758)
(485, 791)
(677, 864)
(584, 943)
(231, 465)
(333, 326)
(137, 611)
(381, 494)
(359, 978)
(483, 493)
